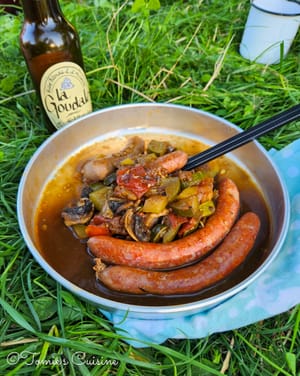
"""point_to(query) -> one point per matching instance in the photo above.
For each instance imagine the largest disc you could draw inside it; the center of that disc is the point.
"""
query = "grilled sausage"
(215, 267)
(179, 252)
(170, 162)
(98, 168)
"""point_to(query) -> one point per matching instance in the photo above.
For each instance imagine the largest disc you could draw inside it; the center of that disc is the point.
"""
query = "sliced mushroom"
(141, 231)
(116, 204)
(152, 218)
(128, 221)
(85, 192)
(79, 214)
(127, 205)
(136, 227)
(106, 210)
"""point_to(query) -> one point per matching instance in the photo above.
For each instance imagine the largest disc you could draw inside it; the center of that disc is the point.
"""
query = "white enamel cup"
(270, 30)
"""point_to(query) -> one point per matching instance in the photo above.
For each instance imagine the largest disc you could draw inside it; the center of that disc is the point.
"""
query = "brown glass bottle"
(51, 49)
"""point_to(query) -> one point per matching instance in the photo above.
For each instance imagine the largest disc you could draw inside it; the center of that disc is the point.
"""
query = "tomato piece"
(176, 220)
(135, 179)
(189, 227)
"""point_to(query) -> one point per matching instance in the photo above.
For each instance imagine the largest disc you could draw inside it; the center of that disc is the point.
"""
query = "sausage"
(140, 178)
(170, 162)
(215, 267)
(98, 168)
(149, 255)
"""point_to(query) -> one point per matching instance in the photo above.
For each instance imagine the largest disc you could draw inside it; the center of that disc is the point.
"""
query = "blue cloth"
(274, 292)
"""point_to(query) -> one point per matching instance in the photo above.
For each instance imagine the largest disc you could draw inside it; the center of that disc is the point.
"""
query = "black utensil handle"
(244, 137)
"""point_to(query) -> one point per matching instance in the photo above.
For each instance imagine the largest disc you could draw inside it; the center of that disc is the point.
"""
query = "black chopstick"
(244, 137)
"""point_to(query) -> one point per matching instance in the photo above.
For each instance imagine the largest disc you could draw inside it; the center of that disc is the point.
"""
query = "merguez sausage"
(228, 256)
(179, 252)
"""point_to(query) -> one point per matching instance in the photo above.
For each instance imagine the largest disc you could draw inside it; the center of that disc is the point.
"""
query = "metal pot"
(161, 119)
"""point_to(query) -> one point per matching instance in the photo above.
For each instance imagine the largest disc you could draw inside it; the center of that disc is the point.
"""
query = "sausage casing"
(149, 255)
(218, 265)
(170, 162)
(98, 168)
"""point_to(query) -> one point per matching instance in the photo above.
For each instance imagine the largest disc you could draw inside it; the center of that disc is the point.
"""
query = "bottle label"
(65, 93)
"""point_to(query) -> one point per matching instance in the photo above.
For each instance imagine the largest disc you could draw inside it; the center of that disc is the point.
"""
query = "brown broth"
(69, 256)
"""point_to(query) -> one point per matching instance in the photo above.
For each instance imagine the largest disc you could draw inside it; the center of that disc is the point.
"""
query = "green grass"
(185, 53)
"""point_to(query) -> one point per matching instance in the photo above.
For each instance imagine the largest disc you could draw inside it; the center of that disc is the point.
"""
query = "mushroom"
(136, 227)
(79, 214)
(117, 204)
(151, 219)
(142, 232)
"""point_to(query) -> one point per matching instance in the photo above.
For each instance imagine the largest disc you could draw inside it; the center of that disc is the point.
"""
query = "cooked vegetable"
(157, 147)
(158, 232)
(94, 230)
(145, 197)
(155, 204)
(174, 223)
(187, 192)
(180, 251)
(99, 197)
(207, 208)
(79, 214)
(79, 231)
(171, 186)
(110, 179)
(186, 207)
(190, 226)
(135, 226)
(135, 179)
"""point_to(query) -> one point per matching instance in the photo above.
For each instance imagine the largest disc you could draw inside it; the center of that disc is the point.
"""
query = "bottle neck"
(41, 10)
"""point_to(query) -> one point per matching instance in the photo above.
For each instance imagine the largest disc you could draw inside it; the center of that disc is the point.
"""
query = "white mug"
(270, 30)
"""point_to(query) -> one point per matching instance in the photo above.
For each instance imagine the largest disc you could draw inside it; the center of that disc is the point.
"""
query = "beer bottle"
(51, 48)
